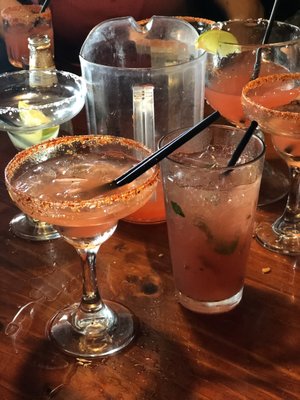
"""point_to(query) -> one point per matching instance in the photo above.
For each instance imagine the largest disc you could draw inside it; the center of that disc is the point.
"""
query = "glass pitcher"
(142, 83)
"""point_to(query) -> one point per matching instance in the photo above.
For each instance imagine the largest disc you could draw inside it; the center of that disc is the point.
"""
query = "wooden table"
(252, 352)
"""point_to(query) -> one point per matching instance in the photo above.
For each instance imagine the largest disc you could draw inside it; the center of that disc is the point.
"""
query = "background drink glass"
(49, 181)
(273, 101)
(31, 114)
(20, 22)
(210, 216)
(232, 67)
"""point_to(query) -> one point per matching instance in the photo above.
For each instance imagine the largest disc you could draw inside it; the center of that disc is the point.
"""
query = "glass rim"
(223, 168)
(199, 53)
(104, 200)
(194, 60)
(36, 8)
(258, 45)
(258, 82)
(77, 79)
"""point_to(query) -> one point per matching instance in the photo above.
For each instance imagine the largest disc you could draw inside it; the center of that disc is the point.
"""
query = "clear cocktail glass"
(51, 181)
(274, 102)
(32, 113)
(231, 67)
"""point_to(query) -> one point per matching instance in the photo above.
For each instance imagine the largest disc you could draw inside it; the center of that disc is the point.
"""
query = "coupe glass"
(52, 181)
(232, 67)
(32, 113)
(274, 102)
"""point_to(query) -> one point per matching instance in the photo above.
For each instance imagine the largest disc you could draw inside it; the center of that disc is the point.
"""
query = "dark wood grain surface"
(252, 352)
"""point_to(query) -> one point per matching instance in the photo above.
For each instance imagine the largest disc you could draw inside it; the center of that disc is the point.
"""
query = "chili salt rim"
(74, 205)
(185, 18)
(26, 16)
(256, 83)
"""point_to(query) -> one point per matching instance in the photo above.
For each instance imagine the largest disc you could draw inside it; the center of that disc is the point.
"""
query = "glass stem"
(288, 223)
(92, 316)
(91, 299)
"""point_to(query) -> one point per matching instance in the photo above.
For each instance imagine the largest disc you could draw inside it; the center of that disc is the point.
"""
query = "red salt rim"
(24, 13)
(26, 154)
(288, 115)
(185, 18)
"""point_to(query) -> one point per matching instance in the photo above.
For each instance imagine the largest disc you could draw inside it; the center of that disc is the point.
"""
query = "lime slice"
(31, 117)
(23, 140)
(219, 42)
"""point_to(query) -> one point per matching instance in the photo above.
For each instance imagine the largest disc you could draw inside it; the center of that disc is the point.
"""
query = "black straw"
(245, 139)
(238, 151)
(164, 151)
(265, 39)
(45, 5)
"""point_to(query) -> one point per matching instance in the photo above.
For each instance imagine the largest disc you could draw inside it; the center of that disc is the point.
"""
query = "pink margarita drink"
(20, 22)
(61, 181)
(231, 67)
(223, 93)
(274, 102)
(57, 190)
(210, 216)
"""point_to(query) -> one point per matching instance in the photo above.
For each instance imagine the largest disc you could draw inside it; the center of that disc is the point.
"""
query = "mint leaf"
(226, 248)
(177, 209)
(204, 228)
(220, 246)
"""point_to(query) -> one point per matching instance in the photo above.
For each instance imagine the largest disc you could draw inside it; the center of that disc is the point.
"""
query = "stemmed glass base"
(93, 335)
(30, 229)
(274, 185)
(278, 237)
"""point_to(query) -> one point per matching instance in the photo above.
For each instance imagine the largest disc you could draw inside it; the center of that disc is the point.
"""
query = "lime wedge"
(23, 140)
(219, 42)
(31, 117)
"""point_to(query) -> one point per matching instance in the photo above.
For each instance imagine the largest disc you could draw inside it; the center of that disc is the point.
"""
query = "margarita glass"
(274, 102)
(231, 67)
(31, 114)
(51, 181)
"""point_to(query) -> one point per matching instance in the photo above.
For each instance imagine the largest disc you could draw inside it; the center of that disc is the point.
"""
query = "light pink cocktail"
(228, 72)
(274, 102)
(210, 215)
(223, 93)
(52, 182)
(20, 22)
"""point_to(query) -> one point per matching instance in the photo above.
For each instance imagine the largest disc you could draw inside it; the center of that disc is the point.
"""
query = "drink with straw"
(51, 181)
(233, 47)
(210, 216)
(19, 23)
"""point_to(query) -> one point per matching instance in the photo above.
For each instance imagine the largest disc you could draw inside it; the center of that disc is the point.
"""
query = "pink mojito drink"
(20, 22)
(210, 215)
